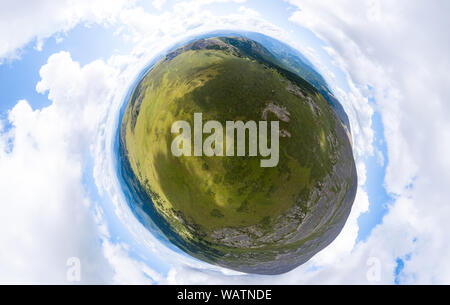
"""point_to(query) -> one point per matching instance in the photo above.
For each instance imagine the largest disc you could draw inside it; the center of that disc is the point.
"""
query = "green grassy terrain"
(228, 80)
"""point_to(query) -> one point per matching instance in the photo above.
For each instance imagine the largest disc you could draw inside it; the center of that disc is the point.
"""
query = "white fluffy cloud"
(400, 49)
(46, 215)
(23, 21)
(145, 28)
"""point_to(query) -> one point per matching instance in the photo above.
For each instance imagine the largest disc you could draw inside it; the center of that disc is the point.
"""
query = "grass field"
(213, 192)
(227, 205)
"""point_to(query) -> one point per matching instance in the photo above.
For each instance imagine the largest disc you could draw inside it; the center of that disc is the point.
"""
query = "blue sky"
(18, 77)
(376, 172)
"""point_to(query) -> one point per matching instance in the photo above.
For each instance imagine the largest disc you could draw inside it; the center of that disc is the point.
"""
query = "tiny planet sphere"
(229, 210)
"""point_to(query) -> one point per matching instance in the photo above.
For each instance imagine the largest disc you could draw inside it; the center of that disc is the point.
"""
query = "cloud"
(144, 28)
(46, 214)
(399, 50)
(24, 21)
(158, 4)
